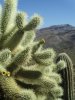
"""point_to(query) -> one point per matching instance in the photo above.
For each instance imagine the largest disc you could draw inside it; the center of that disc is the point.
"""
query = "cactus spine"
(24, 64)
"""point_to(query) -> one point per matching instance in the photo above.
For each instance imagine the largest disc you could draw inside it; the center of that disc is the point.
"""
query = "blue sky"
(54, 12)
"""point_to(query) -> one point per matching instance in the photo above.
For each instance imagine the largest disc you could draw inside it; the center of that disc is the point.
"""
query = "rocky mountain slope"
(59, 37)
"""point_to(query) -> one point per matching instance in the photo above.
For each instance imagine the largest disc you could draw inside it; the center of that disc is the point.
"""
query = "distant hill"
(59, 37)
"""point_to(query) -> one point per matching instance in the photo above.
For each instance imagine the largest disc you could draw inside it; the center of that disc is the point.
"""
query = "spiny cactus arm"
(12, 26)
(28, 94)
(20, 59)
(61, 65)
(67, 75)
(20, 20)
(7, 11)
(28, 38)
(19, 48)
(10, 32)
(66, 58)
(23, 57)
(46, 62)
(17, 93)
(12, 19)
(45, 54)
(5, 57)
(15, 34)
(45, 82)
(44, 57)
(37, 46)
(11, 37)
(17, 37)
(33, 24)
(8, 36)
(55, 76)
(48, 71)
(57, 91)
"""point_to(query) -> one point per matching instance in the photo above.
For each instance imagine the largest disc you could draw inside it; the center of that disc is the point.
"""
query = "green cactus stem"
(67, 75)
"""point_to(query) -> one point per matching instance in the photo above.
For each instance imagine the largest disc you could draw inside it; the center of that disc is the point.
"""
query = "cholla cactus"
(67, 75)
(27, 71)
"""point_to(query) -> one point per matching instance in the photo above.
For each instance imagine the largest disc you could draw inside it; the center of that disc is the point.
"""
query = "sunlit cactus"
(27, 71)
